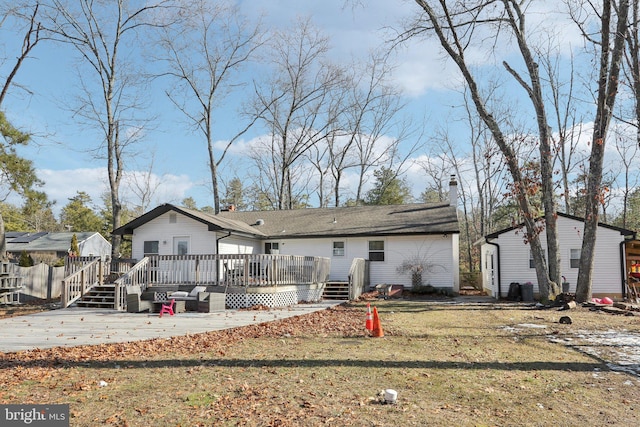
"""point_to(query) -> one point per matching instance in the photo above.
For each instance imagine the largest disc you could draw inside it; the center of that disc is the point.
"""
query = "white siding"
(95, 245)
(440, 251)
(437, 250)
(514, 258)
(201, 241)
(237, 245)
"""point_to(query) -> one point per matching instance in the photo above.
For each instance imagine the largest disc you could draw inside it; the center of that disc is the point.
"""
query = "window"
(151, 247)
(531, 263)
(271, 248)
(173, 218)
(574, 258)
(376, 250)
(338, 248)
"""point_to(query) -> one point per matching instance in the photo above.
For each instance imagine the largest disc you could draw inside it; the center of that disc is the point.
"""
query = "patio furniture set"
(203, 299)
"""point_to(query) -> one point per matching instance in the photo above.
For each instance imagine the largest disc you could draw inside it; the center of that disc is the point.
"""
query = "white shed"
(506, 258)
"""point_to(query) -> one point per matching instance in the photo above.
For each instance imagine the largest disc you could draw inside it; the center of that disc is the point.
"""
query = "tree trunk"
(607, 90)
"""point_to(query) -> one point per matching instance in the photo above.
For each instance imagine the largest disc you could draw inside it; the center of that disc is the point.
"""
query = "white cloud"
(61, 185)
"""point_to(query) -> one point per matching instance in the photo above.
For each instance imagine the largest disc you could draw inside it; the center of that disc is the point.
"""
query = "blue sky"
(60, 144)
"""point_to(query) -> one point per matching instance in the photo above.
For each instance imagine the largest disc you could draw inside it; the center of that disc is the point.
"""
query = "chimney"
(453, 191)
(231, 208)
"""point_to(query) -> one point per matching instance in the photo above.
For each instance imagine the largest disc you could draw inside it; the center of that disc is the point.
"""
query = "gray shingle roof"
(353, 221)
(60, 242)
(321, 222)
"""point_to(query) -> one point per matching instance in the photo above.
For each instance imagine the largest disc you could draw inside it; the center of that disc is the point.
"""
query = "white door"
(181, 245)
(182, 268)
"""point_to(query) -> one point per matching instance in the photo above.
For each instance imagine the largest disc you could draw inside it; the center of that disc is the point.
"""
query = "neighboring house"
(387, 236)
(48, 247)
(506, 258)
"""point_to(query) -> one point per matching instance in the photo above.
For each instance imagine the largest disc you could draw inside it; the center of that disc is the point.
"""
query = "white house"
(506, 258)
(387, 236)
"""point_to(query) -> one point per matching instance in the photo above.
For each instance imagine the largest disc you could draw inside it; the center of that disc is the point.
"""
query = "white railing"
(232, 270)
(137, 275)
(357, 278)
(78, 283)
(237, 269)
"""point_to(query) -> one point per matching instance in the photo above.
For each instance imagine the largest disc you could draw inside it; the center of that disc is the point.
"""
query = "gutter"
(497, 265)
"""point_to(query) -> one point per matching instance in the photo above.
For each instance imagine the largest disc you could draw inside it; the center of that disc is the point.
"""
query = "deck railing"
(78, 283)
(230, 270)
(237, 269)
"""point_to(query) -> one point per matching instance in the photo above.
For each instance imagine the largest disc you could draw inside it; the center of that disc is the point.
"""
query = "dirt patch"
(13, 310)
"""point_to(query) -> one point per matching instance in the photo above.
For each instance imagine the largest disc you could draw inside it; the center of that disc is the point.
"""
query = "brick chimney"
(453, 191)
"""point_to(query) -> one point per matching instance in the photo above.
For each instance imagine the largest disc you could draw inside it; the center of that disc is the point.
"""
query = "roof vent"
(260, 222)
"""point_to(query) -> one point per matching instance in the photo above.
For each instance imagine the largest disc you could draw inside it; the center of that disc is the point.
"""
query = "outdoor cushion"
(196, 290)
(179, 294)
(134, 289)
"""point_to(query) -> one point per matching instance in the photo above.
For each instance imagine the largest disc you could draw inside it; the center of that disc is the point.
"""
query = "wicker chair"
(135, 303)
(214, 300)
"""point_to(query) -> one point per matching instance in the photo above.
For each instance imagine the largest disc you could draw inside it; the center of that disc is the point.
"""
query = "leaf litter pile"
(450, 364)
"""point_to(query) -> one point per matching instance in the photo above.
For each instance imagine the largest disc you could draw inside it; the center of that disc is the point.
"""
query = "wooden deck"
(255, 277)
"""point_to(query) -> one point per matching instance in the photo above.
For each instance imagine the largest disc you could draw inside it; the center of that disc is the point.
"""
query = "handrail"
(137, 275)
(356, 278)
(78, 283)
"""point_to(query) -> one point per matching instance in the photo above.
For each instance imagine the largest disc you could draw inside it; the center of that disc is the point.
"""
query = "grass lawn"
(451, 364)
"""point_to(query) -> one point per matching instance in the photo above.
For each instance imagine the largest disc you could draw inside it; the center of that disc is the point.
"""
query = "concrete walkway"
(80, 326)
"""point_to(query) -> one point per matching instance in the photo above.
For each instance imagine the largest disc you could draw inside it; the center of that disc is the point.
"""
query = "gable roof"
(387, 220)
(622, 231)
(44, 241)
(213, 222)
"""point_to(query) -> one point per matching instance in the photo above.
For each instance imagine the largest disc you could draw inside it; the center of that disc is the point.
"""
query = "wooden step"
(100, 296)
(336, 291)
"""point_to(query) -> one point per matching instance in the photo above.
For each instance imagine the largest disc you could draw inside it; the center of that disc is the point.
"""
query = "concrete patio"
(80, 326)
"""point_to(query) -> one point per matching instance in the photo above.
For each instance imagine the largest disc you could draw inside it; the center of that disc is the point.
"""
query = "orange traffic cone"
(369, 322)
(377, 327)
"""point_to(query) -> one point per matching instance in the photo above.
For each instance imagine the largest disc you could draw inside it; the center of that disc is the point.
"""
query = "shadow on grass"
(317, 363)
(418, 306)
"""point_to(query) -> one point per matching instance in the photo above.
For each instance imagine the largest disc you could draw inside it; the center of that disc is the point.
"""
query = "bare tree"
(203, 56)
(143, 184)
(371, 112)
(564, 115)
(456, 27)
(28, 14)
(294, 102)
(14, 166)
(105, 34)
(612, 19)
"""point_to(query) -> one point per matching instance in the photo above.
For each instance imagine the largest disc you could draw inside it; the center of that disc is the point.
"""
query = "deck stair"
(100, 296)
(336, 291)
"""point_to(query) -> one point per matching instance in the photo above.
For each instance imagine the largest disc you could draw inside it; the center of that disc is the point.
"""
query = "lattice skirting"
(289, 295)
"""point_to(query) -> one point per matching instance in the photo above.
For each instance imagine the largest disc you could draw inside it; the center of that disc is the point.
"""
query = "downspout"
(623, 269)
(498, 265)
